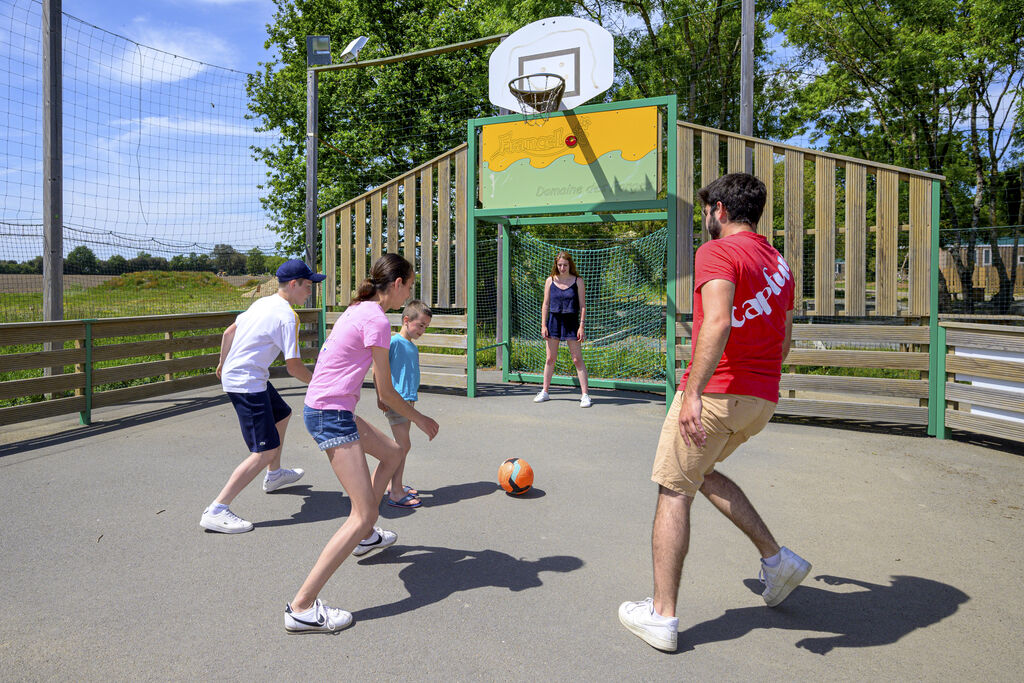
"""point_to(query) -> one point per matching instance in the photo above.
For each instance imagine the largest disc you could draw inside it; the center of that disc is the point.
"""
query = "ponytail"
(385, 270)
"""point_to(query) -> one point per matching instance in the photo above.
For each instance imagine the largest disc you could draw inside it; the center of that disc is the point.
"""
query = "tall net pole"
(53, 194)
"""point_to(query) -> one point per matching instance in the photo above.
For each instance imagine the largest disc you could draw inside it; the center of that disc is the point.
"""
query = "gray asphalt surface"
(916, 545)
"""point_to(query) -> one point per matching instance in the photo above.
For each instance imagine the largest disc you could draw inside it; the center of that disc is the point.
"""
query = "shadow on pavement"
(876, 615)
(445, 495)
(317, 506)
(434, 574)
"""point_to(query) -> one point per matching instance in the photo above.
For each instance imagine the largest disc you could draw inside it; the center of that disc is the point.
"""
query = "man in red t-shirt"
(742, 328)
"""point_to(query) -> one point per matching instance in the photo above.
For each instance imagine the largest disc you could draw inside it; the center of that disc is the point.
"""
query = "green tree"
(115, 265)
(254, 261)
(930, 84)
(82, 261)
(378, 122)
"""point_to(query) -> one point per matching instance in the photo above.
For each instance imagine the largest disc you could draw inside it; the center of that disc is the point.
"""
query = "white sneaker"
(317, 619)
(780, 580)
(654, 629)
(284, 478)
(541, 397)
(585, 401)
(381, 539)
(226, 522)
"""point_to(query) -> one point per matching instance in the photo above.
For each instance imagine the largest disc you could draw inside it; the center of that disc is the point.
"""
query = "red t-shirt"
(751, 364)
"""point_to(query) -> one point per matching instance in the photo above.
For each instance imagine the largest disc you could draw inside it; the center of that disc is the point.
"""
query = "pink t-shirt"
(346, 355)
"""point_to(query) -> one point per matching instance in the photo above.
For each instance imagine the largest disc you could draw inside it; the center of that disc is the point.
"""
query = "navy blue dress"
(563, 311)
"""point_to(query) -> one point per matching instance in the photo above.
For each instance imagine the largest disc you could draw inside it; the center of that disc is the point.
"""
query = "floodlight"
(318, 50)
(352, 51)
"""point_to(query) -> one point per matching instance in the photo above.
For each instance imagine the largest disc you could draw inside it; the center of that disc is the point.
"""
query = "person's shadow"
(443, 495)
(317, 506)
(877, 615)
(435, 573)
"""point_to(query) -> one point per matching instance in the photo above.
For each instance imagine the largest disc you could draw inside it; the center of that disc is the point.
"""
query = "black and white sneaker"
(317, 619)
(381, 538)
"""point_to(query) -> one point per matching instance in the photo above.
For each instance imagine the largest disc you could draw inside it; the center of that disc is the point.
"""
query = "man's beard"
(714, 227)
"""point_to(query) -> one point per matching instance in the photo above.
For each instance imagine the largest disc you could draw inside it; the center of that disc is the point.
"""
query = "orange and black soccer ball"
(515, 476)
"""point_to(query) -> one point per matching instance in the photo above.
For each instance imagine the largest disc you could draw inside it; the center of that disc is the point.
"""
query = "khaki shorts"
(728, 419)
(394, 418)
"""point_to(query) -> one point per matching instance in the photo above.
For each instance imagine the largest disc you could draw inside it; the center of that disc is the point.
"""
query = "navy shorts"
(258, 415)
(563, 325)
(330, 428)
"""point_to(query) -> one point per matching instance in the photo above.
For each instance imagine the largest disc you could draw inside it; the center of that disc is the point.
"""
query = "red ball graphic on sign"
(570, 141)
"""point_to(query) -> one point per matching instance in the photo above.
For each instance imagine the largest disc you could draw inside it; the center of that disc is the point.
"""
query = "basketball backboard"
(579, 51)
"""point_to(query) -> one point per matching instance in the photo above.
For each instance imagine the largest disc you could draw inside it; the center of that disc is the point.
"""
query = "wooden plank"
(891, 360)
(919, 272)
(34, 360)
(437, 379)
(156, 324)
(376, 245)
(426, 271)
(123, 373)
(442, 295)
(983, 396)
(393, 243)
(409, 216)
(35, 411)
(1013, 343)
(461, 264)
(871, 412)
(981, 424)
(887, 258)
(345, 252)
(684, 219)
(876, 334)
(443, 341)
(764, 168)
(111, 397)
(708, 167)
(33, 386)
(876, 386)
(982, 367)
(824, 236)
(856, 240)
(737, 153)
(443, 360)
(16, 334)
(794, 222)
(983, 327)
(330, 260)
(361, 270)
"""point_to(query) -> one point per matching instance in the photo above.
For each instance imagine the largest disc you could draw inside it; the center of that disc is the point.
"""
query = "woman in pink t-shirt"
(361, 336)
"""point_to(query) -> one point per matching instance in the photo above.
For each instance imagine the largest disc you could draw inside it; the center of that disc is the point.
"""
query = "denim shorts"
(330, 428)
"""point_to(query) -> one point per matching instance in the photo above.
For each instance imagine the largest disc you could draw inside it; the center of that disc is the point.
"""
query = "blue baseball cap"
(293, 269)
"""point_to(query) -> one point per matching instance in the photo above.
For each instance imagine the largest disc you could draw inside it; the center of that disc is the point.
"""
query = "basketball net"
(537, 94)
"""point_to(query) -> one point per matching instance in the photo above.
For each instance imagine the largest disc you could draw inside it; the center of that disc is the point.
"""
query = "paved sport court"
(916, 546)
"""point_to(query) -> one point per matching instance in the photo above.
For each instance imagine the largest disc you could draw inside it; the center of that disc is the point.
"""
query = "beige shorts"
(728, 419)
(394, 418)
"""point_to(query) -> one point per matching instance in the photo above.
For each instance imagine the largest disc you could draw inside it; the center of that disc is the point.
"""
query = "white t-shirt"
(268, 328)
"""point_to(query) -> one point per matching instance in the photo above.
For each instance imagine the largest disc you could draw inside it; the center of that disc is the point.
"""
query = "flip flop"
(404, 502)
(407, 489)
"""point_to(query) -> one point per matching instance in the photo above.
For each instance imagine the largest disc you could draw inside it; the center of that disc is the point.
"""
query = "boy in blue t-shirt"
(405, 375)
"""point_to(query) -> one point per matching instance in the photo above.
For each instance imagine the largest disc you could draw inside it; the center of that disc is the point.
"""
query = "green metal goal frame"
(647, 210)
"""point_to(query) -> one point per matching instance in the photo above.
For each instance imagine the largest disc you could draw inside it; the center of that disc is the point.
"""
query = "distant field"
(132, 294)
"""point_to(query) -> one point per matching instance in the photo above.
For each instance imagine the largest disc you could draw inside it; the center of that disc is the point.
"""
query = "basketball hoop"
(540, 92)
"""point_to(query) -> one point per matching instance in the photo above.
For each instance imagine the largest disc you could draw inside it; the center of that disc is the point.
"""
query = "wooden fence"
(421, 215)
(903, 200)
(100, 359)
(983, 371)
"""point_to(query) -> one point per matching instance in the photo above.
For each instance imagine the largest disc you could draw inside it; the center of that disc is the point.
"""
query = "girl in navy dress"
(562, 318)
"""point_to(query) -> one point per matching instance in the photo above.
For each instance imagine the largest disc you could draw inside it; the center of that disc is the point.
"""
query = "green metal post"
(85, 417)
(670, 256)
(940, 406)
(506, 300)
(936, 380)
(471, 181)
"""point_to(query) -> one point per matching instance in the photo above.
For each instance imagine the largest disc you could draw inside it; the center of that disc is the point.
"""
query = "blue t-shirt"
(405, 367)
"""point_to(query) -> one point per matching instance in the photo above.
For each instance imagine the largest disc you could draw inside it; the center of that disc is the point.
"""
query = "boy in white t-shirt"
(268, 328)
(404, 358)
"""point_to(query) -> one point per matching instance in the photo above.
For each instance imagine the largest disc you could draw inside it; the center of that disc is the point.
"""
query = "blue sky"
(228, 33)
